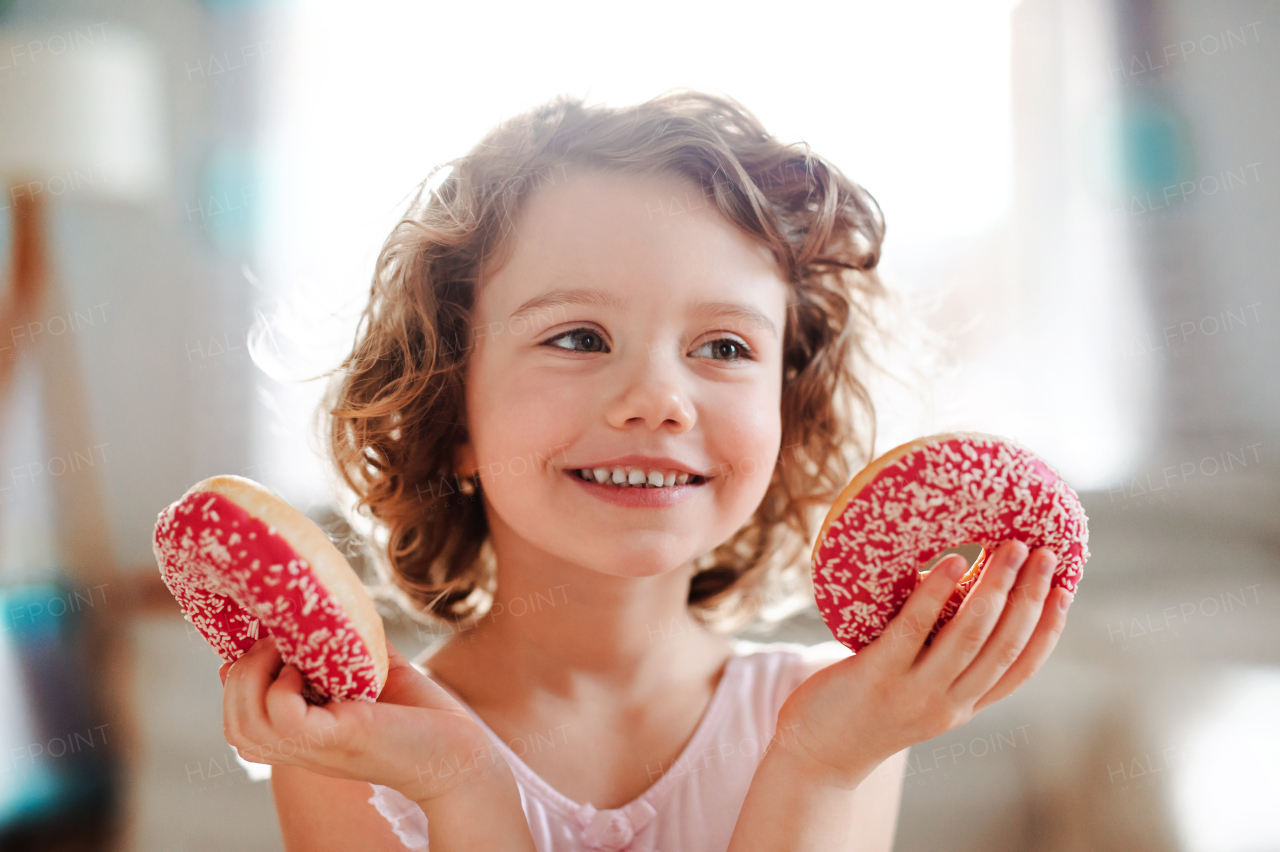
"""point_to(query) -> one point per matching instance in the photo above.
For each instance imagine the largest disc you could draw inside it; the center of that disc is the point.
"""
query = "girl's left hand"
(415, 739)
(849, 717)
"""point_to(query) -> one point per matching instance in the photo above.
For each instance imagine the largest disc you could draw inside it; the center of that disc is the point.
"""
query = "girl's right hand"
(415, 739)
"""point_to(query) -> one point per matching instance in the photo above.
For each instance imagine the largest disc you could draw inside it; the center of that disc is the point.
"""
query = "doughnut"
(243, 564)
(920, 498)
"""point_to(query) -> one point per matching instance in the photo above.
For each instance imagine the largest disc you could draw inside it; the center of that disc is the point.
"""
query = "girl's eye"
(589, 337)
(590, 340)
(729, 347)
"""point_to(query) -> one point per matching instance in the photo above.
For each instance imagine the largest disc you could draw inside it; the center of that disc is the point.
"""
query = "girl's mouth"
(630, 477)
(636, 488)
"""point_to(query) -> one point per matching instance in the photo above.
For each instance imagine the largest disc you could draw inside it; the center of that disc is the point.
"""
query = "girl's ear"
(466, 468)
(464, 460)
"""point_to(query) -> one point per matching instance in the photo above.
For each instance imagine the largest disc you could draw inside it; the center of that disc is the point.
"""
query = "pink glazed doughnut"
(923, 497)
(242, 563)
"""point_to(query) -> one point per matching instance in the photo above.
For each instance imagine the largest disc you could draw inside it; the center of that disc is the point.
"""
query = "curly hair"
(394, 412)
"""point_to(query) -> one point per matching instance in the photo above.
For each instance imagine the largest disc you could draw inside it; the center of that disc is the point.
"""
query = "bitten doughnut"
(244, 564)
(923, 497)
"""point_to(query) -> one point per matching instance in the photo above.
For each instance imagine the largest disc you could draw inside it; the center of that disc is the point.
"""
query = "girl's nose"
(652, 393)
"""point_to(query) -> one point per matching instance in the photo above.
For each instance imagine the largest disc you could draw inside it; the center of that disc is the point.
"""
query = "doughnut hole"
(974, 557)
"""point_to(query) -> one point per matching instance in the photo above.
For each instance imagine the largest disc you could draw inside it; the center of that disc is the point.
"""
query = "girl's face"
(633, 328)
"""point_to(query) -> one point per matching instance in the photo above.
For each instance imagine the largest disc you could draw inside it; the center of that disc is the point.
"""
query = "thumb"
(408, 686)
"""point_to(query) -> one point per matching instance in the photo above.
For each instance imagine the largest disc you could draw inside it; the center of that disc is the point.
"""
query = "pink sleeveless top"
(694, 805)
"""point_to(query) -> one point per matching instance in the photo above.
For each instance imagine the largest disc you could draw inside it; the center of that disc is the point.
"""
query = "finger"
(286, 708)
(1017, 622)
(222, 672)
(244, 707)
(404, 682)
(1052, 619)
(961, 638)
(394, 657)
(410, 687)
(903, 637)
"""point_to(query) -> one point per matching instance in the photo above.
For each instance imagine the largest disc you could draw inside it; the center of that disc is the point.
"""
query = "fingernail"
(1064, 601)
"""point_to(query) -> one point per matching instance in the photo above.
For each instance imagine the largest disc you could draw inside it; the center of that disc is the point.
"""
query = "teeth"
(633, 477)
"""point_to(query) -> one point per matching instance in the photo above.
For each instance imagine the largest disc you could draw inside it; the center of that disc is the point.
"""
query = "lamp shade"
(82, 110)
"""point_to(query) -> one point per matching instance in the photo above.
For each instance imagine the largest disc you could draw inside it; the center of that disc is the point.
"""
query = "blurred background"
(1083, 195)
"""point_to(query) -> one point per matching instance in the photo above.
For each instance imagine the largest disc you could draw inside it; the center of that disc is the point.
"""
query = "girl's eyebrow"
(602, 299)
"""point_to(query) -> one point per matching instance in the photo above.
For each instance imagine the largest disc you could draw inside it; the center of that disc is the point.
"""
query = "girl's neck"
(575, 634)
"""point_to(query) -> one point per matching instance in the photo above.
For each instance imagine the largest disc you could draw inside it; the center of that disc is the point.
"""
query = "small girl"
(605, 389)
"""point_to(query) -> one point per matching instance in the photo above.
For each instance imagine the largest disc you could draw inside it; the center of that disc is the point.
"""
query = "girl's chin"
(636, 562)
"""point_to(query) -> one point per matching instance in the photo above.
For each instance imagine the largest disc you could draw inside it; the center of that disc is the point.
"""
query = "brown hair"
(396, 406)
